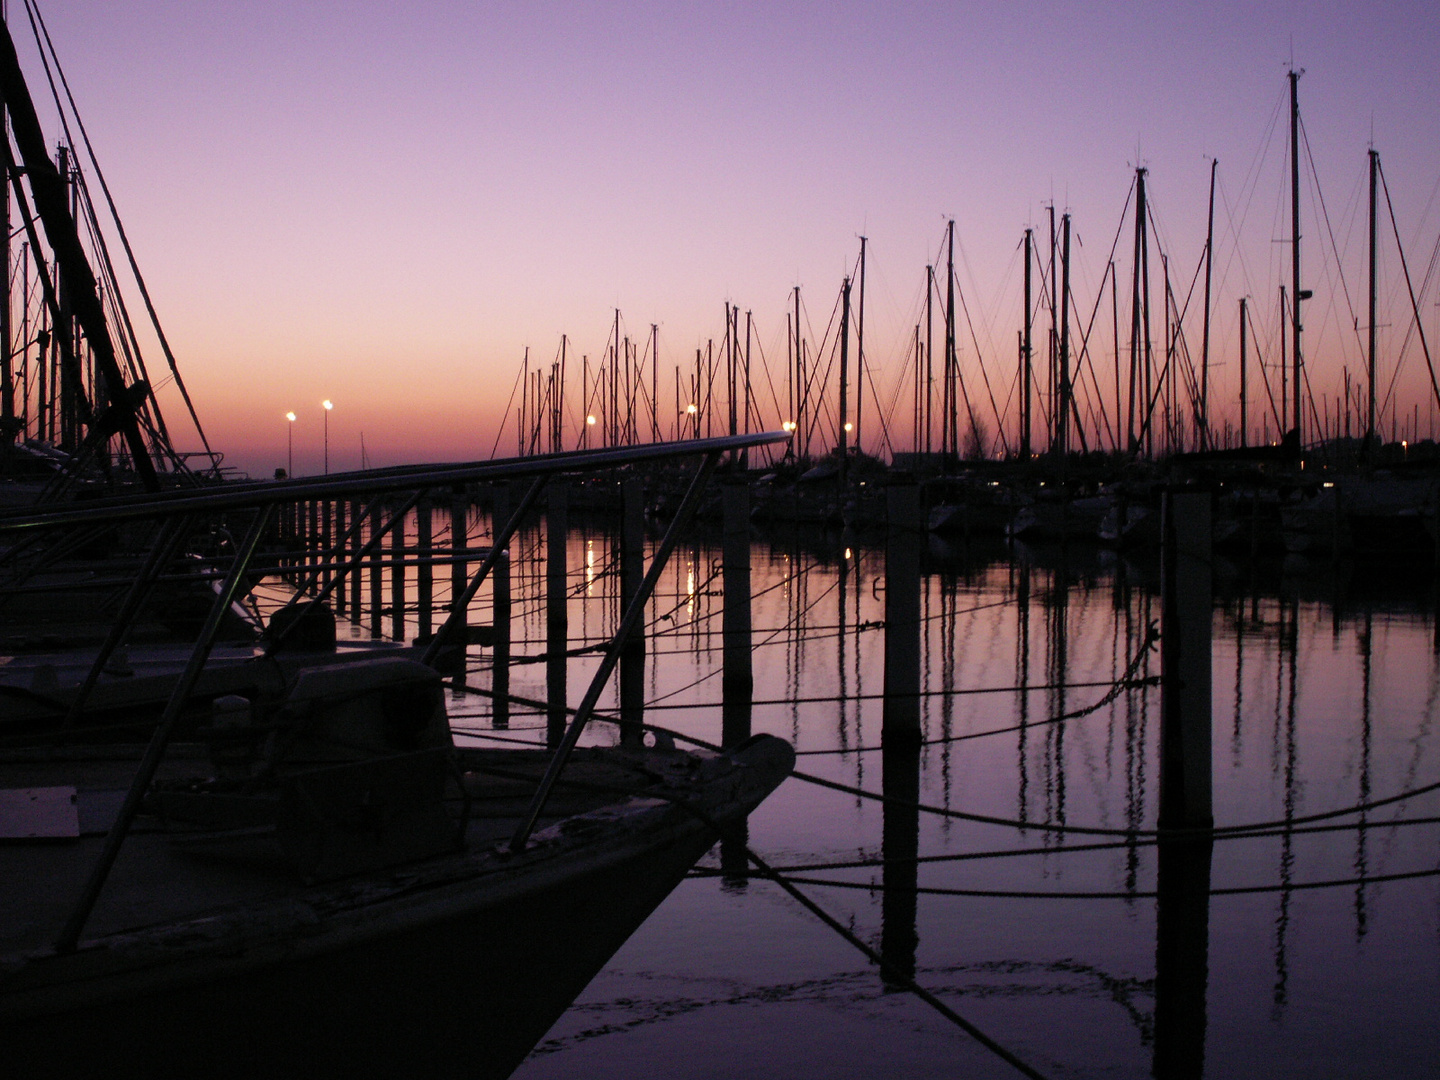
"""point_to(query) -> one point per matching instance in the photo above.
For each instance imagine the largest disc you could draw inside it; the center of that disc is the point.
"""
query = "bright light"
(848, 554)
(788, 425)
(849, 426)
(590, 420)
(692, 409)
(290, 416)
(328, 404)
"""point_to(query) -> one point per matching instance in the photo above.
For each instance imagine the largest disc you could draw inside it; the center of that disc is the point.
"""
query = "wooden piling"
(424, 571)
(901, 709)
(397, 579)
(1185, 769)
(557, 612)
(899, 846)
(738, 681)
(1182, 955)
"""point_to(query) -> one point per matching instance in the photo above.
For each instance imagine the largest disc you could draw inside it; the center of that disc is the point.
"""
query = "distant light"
(1404, 444)
(590, 420)
(788, 425)
(1328, 484)
(849, 426)
(290, 416)
(847, 554)
(692, 409)
(328, 404)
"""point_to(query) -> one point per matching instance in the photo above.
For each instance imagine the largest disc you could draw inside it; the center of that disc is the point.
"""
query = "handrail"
(400, 478)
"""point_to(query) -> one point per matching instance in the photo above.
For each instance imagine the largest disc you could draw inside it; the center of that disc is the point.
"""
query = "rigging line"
(1085, 355)
(1410, 329)
(500, 431)
(37, 18)
(1069, 849)
(889, 971)
(1152, 680)
(835, 699)
(690, 686)
(1137, 894)
(1405, 266)
(884, 423)
(1330, 232)
(1260, 363)
(980, 360)
(1089, 830)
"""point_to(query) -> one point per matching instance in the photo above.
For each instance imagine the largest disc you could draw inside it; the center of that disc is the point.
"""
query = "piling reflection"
(1182, 957)
(899, 848)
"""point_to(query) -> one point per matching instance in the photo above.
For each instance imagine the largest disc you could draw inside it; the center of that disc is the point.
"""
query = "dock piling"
(901, 710)
(738, 682)
(425, 570)
(1185, 768)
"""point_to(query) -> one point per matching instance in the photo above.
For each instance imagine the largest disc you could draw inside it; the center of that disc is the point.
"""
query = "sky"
(385, 205)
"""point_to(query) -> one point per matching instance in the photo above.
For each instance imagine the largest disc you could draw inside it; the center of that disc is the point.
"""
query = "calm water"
(1324, 697)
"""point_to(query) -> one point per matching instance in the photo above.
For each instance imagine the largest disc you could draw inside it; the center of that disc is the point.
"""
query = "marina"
(1031, 671)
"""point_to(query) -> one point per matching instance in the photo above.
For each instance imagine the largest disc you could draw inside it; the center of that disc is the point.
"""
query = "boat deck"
(41, 879)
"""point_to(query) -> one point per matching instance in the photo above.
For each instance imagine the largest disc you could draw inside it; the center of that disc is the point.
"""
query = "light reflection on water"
(1324, 696)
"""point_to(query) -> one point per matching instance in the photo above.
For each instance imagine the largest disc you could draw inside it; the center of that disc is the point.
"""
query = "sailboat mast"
(1026, 352)
(952, 417)
(1296, 295)
(1244, 417)
(844, 378)
(860, 352)
(1370, 395)
(1204, 433)
(1062, 416)
(929, 359)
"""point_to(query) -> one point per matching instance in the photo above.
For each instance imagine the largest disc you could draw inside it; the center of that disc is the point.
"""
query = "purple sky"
(385, 204)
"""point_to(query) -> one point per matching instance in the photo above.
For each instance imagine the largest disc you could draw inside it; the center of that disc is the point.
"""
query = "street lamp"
(290, 443)
(328, 406)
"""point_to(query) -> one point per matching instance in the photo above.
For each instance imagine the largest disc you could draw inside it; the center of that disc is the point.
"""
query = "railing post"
(738, 682)
(632, 573)
(357, 511)
(557, 612)
(901, 710)
(1185, 769)
(500, 613)
(339, 557)
(424, 570)
(397, 578)
(326, 558)
(460, 572)
(377, 555)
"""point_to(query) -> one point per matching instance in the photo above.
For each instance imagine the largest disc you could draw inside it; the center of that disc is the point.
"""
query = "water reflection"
(1317, 707)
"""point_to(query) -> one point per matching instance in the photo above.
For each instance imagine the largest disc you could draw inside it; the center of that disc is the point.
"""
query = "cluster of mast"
(1157, 402)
